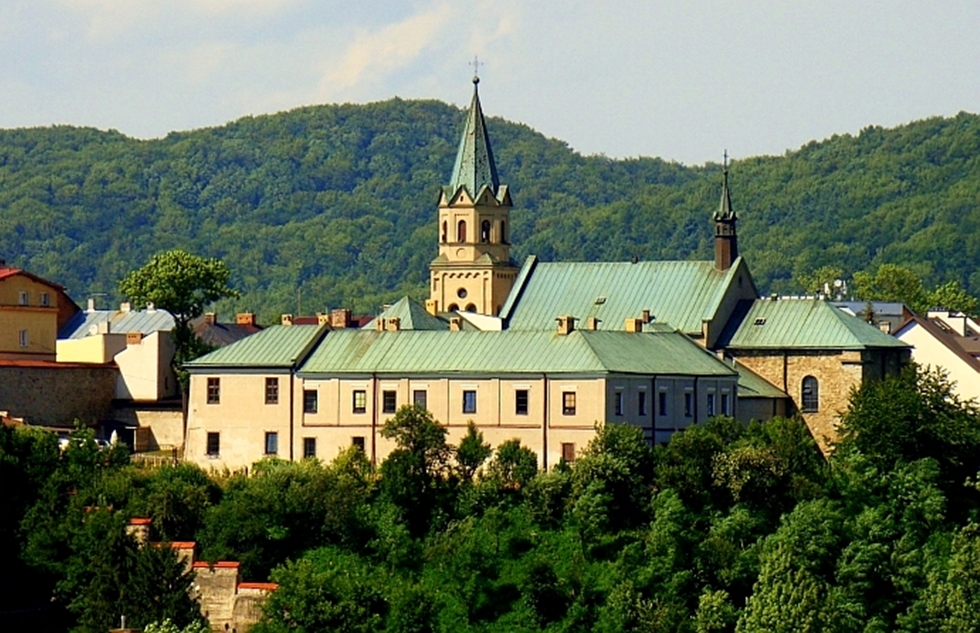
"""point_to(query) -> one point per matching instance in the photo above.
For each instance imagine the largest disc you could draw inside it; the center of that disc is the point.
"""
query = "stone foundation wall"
(53, 394)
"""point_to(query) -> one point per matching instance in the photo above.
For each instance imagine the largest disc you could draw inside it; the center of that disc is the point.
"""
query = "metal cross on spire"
(725, 160)
(476, 69)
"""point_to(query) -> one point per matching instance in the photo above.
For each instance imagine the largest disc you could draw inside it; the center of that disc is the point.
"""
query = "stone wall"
(55, 394)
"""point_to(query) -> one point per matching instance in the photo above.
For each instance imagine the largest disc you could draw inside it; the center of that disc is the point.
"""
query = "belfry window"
(503, 232)
(461, 231)
(485, 231)
(445, 232)
(810, 395)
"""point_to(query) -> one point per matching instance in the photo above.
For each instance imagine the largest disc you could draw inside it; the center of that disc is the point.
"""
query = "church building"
(541, 352)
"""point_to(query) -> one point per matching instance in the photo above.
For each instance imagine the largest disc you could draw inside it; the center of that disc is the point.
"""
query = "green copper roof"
(474, 168)
(800, 324)
(481, 353)
(680, 293)
(412, 316)
(275, 346)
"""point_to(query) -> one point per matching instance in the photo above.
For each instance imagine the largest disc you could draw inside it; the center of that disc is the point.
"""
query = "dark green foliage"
(727, 528)
(334, 205)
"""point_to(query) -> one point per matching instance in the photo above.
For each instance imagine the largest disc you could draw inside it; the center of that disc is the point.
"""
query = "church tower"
(726, 240)
(473, 271)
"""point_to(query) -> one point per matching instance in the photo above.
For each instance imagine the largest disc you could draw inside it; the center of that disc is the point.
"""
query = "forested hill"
(335, 205)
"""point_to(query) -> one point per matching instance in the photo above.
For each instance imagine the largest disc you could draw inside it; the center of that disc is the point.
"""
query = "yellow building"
(32, 310)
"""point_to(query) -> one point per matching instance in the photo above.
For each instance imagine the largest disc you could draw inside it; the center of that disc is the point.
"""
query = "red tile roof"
(221, 563)
(267, 586)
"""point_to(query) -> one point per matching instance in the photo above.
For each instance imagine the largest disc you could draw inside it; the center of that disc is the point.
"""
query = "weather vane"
(476, 69)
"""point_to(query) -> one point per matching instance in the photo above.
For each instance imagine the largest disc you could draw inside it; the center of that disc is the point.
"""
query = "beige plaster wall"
(144, 369)
(931, 353)
(97, 348)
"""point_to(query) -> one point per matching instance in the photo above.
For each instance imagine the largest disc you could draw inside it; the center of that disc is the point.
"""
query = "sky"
(682, 80)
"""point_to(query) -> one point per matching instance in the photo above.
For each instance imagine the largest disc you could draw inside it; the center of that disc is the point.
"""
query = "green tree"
(817, 281)
(951, 296)
(891, 282)
(184, 285)
(471, 453)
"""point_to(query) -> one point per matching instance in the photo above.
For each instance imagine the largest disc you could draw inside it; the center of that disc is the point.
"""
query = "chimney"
(125, 306)
(455, 324)
(432, 306)
(340, 318)
(210, 318)
(322, 318)
(287, 320)
(566, 325)
(885, 327)
(646, 316)
(104, 327)
(150, 307)
(634, 325)
(134, 338)
(379, 324)
(592, 324)
(91, 305)
(393, 324)
(245, 318)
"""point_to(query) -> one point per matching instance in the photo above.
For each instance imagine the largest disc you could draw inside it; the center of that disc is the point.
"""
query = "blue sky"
(682, 80)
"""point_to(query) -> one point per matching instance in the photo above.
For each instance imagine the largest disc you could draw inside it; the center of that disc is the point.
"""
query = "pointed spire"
(474, 166)
(725, 211)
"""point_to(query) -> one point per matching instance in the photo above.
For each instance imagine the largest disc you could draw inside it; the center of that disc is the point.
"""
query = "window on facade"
(360, 401)
(469, 401)
(810, 395)
(503, 232)
(618, 402)
(309, 447)
(272, 391)
(568, 403)
(22, 297)
(461, 231)
(214, 444)
(662, 404)
(310, 401)
(389, 401)
(568, 452)
(420, 398)
(641, 403)
(214, 391)
(45, 299)
(22, 338)
(520, 402)
(271, 443)
(445, 232)
(724, 404)
(470, 307)
(485, 231)
(358, 441)
(711, 404)
(688, 404)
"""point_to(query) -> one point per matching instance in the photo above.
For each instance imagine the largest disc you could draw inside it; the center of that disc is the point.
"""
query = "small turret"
(726, 238)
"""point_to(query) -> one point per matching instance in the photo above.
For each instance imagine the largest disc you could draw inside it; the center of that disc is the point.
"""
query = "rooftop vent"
(760, 321)
(600, 300)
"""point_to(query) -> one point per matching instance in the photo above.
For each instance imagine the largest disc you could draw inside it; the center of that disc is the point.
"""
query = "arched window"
(461, 231)
(485, 231)
(810, 395)
(453, 307)
(470, 307)
(445, 232)
(503, 232)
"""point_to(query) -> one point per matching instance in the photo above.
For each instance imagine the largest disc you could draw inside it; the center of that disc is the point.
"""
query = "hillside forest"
(726, 528)
(334, 205)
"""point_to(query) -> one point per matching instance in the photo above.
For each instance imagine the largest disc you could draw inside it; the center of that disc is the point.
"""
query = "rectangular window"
(711, 404)
(309, 447)
(641, 403)
(310, 401)
(469, 402)
(23, 340)
(22, 297)
(724, 404)
(271, 443)
(214, 391)
(360, 401)
(618, 399)
(214, 444)
(568, 452)
(662, 404)
(272, 391)
(420, 398)
(688, 404)
(358, 441)
(45, 299)
(520, 402)
(568, 403)
(389, 401)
